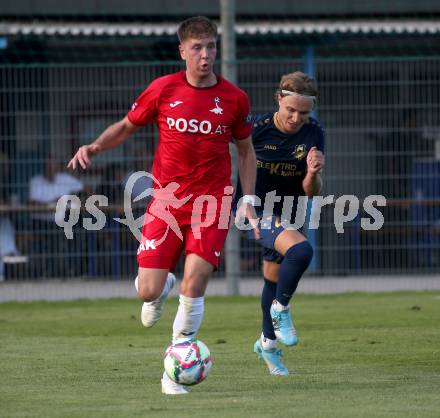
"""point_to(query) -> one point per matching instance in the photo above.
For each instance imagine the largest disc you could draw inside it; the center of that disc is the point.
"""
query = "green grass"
(360, 355)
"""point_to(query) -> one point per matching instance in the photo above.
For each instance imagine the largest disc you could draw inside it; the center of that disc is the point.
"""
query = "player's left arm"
(312, 183)
(247, 169)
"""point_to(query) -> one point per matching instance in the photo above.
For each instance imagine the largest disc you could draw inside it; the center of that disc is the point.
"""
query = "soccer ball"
(187, 361)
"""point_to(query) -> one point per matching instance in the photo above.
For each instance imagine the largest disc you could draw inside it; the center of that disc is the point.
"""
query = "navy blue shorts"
(270, 228)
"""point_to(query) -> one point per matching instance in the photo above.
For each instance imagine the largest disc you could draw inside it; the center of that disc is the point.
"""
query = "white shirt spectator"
(43, 191)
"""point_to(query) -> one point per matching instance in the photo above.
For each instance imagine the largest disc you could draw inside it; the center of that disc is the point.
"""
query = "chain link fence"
(381, 118)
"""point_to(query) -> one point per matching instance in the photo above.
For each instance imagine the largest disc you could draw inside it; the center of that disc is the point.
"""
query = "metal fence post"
(229, 71)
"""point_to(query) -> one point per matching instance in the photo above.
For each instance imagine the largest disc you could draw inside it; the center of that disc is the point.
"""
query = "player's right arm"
(247, 164)
(113, 136)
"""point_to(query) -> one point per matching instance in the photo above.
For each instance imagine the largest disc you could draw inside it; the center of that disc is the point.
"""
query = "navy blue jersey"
(281, 159)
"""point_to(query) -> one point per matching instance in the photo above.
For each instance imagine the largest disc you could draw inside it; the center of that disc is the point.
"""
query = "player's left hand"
(315, 160)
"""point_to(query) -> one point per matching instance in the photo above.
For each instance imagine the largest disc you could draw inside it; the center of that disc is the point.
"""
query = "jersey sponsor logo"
(176, 103)
(300, 151)
(217, 109)
(192, 125)
(284, 169)
(221, 129)
(271, 147)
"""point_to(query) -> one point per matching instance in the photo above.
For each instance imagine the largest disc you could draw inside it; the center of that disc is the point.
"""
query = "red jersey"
(196, 126)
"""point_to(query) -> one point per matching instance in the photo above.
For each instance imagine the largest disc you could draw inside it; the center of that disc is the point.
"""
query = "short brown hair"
(298, 82)
(196, 27)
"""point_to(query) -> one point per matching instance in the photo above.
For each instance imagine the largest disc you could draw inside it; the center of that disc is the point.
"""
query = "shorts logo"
(134, 106)
(148, 245)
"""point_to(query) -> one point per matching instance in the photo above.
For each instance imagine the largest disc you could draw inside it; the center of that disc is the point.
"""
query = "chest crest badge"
(300, 152)
(217, 109)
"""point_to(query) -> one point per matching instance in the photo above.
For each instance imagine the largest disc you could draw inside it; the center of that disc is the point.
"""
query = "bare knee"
(148, 293)
(271, 271)
(150, 284)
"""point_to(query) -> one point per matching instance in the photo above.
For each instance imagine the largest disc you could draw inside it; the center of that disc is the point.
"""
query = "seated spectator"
(8, 247)
(52, 246)
(45, 189)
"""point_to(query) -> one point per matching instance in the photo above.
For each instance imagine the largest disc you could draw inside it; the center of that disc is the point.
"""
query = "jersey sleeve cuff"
(134, 122)
(242, 138)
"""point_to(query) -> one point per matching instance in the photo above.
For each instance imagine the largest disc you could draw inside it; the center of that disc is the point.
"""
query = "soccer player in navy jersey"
(197, 113)
(289, 146)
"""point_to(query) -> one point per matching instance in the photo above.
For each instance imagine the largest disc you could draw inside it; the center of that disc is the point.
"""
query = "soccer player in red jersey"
(197, 113)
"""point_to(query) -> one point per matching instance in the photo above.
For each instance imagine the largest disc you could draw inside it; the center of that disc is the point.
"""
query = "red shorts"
(161, 246)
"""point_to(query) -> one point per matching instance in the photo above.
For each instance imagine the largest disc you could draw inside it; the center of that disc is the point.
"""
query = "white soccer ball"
(187, 361)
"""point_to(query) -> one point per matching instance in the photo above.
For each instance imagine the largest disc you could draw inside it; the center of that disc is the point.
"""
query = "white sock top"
(267, 343)
(277, 305)
(188, 317)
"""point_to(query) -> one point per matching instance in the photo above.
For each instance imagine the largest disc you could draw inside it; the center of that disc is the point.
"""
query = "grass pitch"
(360, 355)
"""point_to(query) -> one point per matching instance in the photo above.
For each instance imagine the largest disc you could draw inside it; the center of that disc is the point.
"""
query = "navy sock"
(295, 262)
(267, 297)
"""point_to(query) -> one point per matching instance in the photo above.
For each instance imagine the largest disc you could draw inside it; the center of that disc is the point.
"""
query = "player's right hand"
(247, 211)
(83, 156)
(253, 220)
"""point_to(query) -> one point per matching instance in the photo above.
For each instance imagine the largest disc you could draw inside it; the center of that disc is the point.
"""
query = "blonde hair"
(297, 82)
